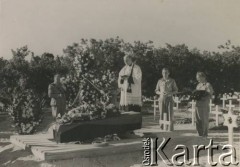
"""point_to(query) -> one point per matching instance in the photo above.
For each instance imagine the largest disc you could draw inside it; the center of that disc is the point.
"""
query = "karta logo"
(152, 152)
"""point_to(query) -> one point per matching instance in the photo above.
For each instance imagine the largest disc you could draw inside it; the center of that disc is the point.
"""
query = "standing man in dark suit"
(56, 92)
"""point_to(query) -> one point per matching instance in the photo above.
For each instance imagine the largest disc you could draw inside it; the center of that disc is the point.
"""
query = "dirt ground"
(11, 155)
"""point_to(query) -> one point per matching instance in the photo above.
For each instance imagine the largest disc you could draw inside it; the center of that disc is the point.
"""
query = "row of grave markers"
(214, 109)
(230, 120)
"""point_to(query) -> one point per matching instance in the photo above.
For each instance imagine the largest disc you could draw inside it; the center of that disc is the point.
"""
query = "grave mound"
(86, 130)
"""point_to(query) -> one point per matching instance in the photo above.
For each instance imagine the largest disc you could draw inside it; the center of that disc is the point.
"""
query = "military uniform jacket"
(57, 94)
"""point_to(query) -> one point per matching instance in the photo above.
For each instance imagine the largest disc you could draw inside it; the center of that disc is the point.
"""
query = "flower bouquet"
(65, 119)
(87, 112)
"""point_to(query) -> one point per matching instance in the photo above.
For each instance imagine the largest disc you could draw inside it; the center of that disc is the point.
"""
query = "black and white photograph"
(119, 83)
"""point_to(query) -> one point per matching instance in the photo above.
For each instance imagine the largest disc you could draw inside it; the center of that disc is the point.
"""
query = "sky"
(52, 25)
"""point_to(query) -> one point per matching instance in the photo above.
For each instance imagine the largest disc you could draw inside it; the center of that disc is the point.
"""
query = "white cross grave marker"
(230, 120)
(217, 113)
(230, 105)
(224, 98)
(177, 101)
(155, 106)
(165, 122)
(211, 105)
(239, 104)
(193, 110)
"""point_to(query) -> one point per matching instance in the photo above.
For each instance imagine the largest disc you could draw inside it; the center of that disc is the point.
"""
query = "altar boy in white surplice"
(129, 81)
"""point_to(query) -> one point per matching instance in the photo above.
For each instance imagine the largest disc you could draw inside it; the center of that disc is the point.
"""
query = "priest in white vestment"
(129, 81)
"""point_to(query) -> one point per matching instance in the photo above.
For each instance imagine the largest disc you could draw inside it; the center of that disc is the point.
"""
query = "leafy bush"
(100, 61)
(25, 110)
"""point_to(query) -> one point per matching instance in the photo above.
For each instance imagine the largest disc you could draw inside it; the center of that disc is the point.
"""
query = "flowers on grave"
(72, 88)
(88, 112)
(103, 141)
(107, 138)
(87, 67)
(99, 81)
(90, 85)
(148, 99)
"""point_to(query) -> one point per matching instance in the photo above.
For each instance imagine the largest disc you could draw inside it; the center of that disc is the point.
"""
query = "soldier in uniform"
(56, 92)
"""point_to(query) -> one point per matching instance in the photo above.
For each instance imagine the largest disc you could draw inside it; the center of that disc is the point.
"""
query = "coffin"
(85, 130)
